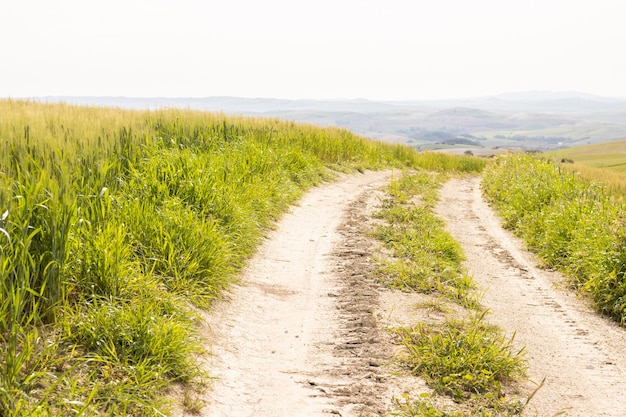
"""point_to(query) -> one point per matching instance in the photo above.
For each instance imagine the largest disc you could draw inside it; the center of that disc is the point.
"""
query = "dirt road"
(303, 333)
(298, 337)
(581, 355)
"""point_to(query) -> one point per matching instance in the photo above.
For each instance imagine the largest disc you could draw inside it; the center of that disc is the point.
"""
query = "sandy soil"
(303, 335)
(580, 355)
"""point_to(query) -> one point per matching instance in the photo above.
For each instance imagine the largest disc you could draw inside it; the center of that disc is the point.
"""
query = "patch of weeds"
(426, 407)
(425, 184)
(425, 258)
(467, 360)
(192, 403)
(435, 304)
(420, 407)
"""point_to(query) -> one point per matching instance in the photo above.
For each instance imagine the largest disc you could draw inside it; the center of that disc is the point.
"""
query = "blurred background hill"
(537, 121)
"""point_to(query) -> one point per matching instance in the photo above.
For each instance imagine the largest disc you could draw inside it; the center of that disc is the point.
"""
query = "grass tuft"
(462, 357)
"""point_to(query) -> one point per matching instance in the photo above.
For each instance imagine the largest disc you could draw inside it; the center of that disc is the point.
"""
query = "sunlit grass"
(113, 223)
(604, 163)
(462, 357)
(425, 257)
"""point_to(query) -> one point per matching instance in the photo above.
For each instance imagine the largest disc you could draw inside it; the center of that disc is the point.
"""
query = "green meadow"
(609, 155)
(116, 226)
(603, 162)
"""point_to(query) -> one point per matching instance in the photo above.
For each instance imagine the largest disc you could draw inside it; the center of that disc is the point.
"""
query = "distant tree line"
(451, 137)
(462, 141)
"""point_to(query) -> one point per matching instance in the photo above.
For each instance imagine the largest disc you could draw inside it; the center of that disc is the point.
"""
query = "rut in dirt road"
(284, 342)
(580, 355)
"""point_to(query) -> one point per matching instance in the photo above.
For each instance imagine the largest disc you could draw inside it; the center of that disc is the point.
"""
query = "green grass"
(463, 358)
(574, 224)
(610, 155)
(421, 407)
(115, 225)
(425, 257)
(602, 162)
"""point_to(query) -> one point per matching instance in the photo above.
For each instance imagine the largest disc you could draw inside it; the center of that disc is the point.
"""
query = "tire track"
(579, 354)
(297, 337)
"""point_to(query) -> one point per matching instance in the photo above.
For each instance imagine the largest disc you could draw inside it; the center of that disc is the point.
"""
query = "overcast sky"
(384, 49)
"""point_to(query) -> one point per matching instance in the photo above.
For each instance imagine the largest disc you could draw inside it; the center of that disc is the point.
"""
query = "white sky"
(384, 49)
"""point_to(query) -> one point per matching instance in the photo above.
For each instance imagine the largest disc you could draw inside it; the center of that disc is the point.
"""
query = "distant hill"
(609, 155)
(523, 120)
(227, 104)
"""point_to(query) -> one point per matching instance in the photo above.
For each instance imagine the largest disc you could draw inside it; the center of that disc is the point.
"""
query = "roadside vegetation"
(574, 223)
(462, 357)
(115, 226)
(602, 162)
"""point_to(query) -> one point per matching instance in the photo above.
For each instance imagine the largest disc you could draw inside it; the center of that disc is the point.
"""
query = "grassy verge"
(601, 162)
(573, 223)
(462, 357)
(113, 224)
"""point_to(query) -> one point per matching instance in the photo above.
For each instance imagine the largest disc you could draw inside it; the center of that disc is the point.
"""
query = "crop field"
(610, 155)
(602, 162)
(115, 226)
(572, 135)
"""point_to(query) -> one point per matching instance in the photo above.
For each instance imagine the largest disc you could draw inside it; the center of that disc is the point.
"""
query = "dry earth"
(303, 334)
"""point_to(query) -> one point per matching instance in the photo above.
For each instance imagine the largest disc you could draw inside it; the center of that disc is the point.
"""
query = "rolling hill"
(609, 155)
(529, 121)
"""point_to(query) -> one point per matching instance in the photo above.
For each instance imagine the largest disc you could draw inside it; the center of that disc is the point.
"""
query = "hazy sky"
(384, 49)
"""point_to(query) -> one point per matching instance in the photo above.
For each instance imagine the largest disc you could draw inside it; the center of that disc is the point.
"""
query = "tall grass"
(613, 181)
(113, 223)
(574, 224)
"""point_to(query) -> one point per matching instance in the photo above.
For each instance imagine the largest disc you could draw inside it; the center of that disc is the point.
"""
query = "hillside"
(609, 155)
(530, 121)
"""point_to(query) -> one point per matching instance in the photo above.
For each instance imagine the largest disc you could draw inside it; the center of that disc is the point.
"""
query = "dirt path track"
(279, 336)
(302, 335)
(581, 355)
